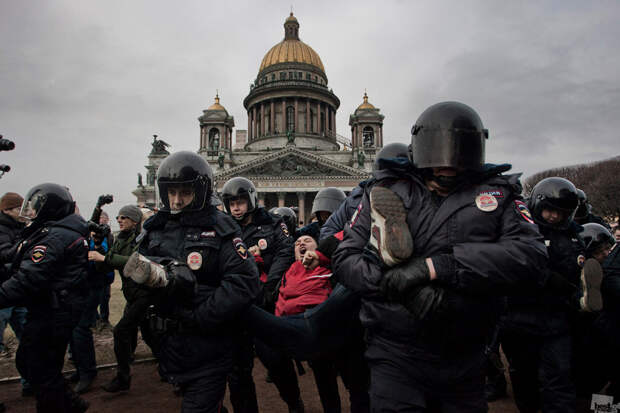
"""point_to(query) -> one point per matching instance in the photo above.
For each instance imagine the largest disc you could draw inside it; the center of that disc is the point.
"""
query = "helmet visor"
(32, 205)
(450, 148)
(180, 196)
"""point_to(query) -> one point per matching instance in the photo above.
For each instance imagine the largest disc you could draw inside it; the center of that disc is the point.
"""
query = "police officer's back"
(50, 279)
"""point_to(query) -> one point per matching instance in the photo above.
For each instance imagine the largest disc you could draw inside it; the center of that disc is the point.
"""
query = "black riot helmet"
(390, 151)
(584, 208)
(555, 194)
(596, 236)
(328, 199)
(47, 202)
(240, 187)
(189, 170)
(448, 134)
(288, 216)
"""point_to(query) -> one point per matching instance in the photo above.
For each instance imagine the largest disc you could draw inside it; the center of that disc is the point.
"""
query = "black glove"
(104, 199)
(399, 281)
(181, 281)
(423, 302)
(328, 245)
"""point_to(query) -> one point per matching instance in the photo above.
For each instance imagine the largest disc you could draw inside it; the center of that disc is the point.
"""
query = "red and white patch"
(524, 211)
(284, 229)
(581, 260)
(207, 234)
(38, 253)
(240, 247)
(356, 215)
(194, 260)
(497, 193)
(262, 244)
(486, 202)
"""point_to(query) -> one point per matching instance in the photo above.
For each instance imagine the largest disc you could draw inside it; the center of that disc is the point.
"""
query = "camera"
(100, 232)
(6, 145)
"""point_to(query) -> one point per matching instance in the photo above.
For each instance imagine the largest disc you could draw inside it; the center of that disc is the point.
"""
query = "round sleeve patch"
(284, 229)
(38, 253)
(240, 247)
(524, 211)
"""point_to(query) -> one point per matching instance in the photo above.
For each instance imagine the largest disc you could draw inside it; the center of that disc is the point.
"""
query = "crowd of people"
(406, 288)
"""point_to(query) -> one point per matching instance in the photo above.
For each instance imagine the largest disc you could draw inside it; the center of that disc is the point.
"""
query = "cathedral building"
(290, 149)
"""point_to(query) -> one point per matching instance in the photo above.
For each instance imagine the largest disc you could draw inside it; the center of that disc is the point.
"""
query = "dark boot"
(117, 384)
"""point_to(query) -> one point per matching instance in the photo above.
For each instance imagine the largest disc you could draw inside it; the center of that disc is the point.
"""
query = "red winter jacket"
(302, 288)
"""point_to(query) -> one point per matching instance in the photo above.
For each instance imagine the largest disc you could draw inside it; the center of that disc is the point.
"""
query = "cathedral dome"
(216, 105)
(366, 104)
(291, 49)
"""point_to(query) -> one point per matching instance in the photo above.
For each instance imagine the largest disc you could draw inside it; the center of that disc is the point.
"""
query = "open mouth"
(302, 250)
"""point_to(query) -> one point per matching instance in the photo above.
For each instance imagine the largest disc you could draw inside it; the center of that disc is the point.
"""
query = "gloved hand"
(328, 245)
(181, 281)
(104, 199)
(398, 282)
(424, 301)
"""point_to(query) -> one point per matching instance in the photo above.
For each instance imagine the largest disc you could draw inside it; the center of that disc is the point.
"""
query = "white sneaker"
(591, 279)
(389, 232)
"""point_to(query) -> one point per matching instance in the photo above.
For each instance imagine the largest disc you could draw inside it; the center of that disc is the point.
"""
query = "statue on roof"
(159, 147)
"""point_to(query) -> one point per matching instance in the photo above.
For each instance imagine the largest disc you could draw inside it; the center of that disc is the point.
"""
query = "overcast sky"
(85, 84)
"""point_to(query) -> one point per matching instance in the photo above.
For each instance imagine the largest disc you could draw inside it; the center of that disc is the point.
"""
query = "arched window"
(214, 139)
(290, 119)
(368, 135)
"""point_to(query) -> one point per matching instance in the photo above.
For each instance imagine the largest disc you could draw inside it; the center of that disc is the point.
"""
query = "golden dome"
(291, 49)
(366, 105)
(216, 105)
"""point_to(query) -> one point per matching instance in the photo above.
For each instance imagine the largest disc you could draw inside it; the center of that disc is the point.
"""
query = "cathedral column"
(301, 198)
(281, 198)
(318, 118)
(262, 119)
(296, 116)
(284, 125)
(261, 198)
(272, 118)
(249, 125)
(332, 115)
(253, 122)
(308, 128)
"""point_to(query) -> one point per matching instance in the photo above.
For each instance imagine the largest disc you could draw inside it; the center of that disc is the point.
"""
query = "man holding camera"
(138, 298)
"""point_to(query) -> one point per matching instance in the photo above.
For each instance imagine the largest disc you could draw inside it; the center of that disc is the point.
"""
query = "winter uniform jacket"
(277, 246)
(336, 221)
(304, 288)
(117, 257)
(210, 243)
(609, 319)
(51, 267)
(478, 256)
(546, 311)
(10, 231)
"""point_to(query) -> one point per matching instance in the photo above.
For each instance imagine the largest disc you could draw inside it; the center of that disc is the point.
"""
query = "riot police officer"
(431, 250)
(267, 237)
(584, 214)
(536, 333)
(189, 241)
(50, 279)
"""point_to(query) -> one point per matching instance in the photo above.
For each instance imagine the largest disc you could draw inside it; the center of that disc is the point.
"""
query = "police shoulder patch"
(38, 253)
(240, 247)
(356, 214)
(284, 229)
(523, 211)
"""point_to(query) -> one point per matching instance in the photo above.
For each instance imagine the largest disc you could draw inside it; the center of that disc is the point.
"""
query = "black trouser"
(240, 380)
(325, 376)
(134, 317)
(282, 372)
(206, 393)
(41, 355)
(540, 371)
(353, 369)
(404, 380)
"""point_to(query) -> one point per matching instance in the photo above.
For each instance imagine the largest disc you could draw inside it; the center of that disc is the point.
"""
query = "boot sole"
(136, 266)
(591, 279)
(394, 240)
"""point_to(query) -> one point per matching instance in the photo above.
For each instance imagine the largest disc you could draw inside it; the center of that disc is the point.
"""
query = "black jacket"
(483, 255)
(547, 311)
(609, 319)
(335, 222)
(10, 231)
(53, 258)
(279, 252)
(227, 284)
